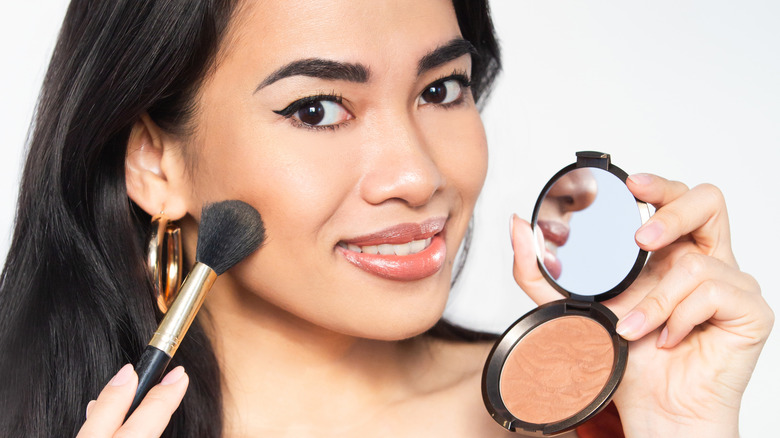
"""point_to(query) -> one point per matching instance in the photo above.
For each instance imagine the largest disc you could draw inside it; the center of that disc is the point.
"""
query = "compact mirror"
(584, 223)
(559, 364)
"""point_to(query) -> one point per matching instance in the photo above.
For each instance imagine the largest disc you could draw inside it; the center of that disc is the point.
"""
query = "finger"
(526, 270)
(654, 189)
(154, 413)
(688, 274)
(721, 303)
(108, 411)
(700, 212)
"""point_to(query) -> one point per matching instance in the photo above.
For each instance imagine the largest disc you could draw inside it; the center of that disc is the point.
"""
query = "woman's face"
(350, 127)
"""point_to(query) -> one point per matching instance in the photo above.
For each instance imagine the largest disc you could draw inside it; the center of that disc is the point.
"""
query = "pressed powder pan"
(559, 365)
(539, 365)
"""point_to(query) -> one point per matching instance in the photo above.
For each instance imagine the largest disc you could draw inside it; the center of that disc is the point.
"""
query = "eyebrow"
(453, 49)
(319, 68)
(335, 70)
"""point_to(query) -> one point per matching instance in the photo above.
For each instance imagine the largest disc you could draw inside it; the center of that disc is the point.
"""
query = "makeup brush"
(229, 231)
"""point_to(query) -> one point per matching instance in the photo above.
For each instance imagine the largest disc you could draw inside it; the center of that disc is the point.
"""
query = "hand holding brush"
(229, 231)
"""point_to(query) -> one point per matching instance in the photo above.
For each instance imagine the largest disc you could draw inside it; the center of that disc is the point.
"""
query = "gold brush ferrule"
(183, 310)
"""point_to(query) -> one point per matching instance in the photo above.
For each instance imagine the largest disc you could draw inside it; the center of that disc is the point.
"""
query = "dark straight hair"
(76, 301)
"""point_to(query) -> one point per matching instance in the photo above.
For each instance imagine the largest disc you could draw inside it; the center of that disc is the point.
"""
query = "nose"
(400, 166)
(574, 191)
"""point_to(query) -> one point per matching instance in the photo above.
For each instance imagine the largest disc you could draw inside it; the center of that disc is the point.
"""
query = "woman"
(343, 123)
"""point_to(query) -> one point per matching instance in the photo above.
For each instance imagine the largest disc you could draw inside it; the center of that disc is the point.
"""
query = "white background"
(685, 89)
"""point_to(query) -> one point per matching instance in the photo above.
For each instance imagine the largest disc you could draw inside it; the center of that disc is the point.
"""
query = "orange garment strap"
(606, 424)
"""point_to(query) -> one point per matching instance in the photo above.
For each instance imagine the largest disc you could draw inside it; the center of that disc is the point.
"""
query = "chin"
(398, 317)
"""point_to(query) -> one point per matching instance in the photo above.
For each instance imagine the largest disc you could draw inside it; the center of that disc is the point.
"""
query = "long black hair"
(76, 301)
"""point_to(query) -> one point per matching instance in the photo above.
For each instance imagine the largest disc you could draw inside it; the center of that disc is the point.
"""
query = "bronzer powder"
(557, 369)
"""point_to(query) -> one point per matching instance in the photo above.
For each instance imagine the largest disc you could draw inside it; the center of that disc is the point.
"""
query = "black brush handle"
(150, 369)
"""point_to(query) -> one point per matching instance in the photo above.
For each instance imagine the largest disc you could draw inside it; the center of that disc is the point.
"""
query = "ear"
(155, 171)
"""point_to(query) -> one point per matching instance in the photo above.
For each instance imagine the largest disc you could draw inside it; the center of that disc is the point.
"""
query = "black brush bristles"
(229, 231)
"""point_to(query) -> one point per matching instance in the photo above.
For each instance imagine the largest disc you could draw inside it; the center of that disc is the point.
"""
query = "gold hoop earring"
(164, 260)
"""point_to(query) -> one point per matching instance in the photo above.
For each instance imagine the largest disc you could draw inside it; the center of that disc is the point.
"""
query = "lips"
(404, 252)
(555, 234)
(552, 264)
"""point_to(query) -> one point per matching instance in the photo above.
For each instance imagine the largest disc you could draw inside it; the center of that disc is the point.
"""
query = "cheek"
(460, 150)
(474, 172)
(297, 185)
(287, 176)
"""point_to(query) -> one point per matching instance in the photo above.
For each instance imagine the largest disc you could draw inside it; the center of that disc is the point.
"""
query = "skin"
(295, 324)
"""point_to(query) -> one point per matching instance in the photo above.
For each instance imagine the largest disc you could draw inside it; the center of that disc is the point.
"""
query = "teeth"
(385, 249)
(416, 246)
(403, 249)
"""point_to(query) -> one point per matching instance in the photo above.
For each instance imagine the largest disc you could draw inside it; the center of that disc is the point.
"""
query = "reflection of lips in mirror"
(555, 234)
(552, 264)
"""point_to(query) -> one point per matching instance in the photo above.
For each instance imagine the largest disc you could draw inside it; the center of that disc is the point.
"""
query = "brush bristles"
(229, 231)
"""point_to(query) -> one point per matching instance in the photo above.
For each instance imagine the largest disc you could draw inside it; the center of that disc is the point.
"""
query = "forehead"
(380, 33)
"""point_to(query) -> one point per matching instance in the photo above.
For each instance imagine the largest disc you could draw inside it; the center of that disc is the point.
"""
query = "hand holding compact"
(708, 318)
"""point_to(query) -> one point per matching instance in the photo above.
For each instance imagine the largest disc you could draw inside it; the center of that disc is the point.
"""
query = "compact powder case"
(560, 364)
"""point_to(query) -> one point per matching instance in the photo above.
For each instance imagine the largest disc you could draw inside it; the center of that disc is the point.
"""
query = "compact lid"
(584, 224)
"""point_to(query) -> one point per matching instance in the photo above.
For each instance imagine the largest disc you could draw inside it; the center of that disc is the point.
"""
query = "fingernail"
(631, 324)
(649, 233)
(641, 179)
(173, 376)
(123, 376)
(89, 407)
(662, 338)
(512, 230)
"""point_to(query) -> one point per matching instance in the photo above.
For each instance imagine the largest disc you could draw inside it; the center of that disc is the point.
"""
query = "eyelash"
(460, 76)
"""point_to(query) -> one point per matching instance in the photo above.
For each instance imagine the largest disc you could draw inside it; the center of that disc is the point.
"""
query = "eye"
(322, 113)
(317, 112)
(442, 92)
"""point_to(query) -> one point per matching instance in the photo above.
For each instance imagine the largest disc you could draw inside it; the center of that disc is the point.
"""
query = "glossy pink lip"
(553, 265)
(555, 232)
(403, 268)
(401, 233)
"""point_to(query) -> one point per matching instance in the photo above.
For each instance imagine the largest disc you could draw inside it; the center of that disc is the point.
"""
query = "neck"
(279, 370)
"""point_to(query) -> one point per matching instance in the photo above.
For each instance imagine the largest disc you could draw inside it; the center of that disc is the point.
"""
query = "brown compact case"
(560, 364)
